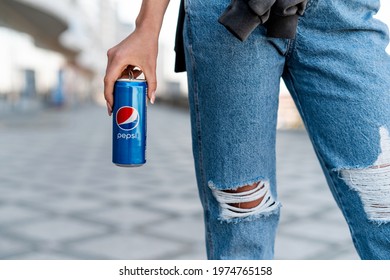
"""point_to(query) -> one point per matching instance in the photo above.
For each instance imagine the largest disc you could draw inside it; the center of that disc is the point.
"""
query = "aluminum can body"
(129, 123)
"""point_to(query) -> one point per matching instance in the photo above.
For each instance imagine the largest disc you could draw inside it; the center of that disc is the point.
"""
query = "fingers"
(118, 66)
(150, 77)
(108, 93)
(152, 85)
(113, 72)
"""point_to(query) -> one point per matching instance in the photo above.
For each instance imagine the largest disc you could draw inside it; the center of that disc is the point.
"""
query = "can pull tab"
(131, 75)
(134, 73)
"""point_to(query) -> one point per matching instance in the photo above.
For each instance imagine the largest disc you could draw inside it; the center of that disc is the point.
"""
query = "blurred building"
(54, 52)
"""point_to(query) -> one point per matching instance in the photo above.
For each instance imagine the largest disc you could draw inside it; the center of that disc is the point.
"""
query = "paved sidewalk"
(61, 198)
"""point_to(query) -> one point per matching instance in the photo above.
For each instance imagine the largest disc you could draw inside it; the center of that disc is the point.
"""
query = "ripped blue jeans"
(338, 74)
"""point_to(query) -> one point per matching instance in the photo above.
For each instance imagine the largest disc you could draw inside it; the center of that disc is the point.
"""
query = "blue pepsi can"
(129, 123)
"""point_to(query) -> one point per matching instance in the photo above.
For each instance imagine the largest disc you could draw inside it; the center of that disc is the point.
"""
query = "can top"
(130, 80)
(131, 77)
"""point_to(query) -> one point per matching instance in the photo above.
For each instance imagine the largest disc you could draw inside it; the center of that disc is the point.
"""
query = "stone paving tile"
(125, 216)
(54, 230)
(71, 204)
(292, 248)
(118, 195)
(348, 254)
(10, 246)
(187, 228)
(317, 230)
(334, 216)
(179, 204)
(128, 246)
(13, 214)
(26, 196)
(301, 208)
(196, 251)
(42, 256)
(320, 196)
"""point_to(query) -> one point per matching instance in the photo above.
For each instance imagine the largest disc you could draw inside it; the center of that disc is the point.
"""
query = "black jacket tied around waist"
(241, 17)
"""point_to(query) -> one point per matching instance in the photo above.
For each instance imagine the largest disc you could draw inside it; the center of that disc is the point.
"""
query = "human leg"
(339, 75)
(233, 93)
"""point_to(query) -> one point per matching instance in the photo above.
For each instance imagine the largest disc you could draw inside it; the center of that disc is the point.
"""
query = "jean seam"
(199, 138)
(290, 47)
(198, 123)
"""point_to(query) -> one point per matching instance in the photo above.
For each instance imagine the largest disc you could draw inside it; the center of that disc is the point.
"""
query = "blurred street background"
(60, 195)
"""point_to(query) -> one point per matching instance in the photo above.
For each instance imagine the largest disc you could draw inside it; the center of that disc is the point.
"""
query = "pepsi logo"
(127, 118)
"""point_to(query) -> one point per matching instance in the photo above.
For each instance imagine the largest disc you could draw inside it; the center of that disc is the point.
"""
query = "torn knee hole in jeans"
(373, 183)
(373, 186)
(245, 201)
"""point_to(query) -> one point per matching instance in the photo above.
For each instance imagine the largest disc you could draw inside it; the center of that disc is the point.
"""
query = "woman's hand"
(140, 50)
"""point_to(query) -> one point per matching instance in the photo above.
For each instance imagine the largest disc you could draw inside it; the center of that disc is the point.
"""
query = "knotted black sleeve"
(280, 17)
(284, 16)
(241, 19)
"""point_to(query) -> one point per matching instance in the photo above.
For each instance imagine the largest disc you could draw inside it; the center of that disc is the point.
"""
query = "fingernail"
(109, 109)
(153, 97)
